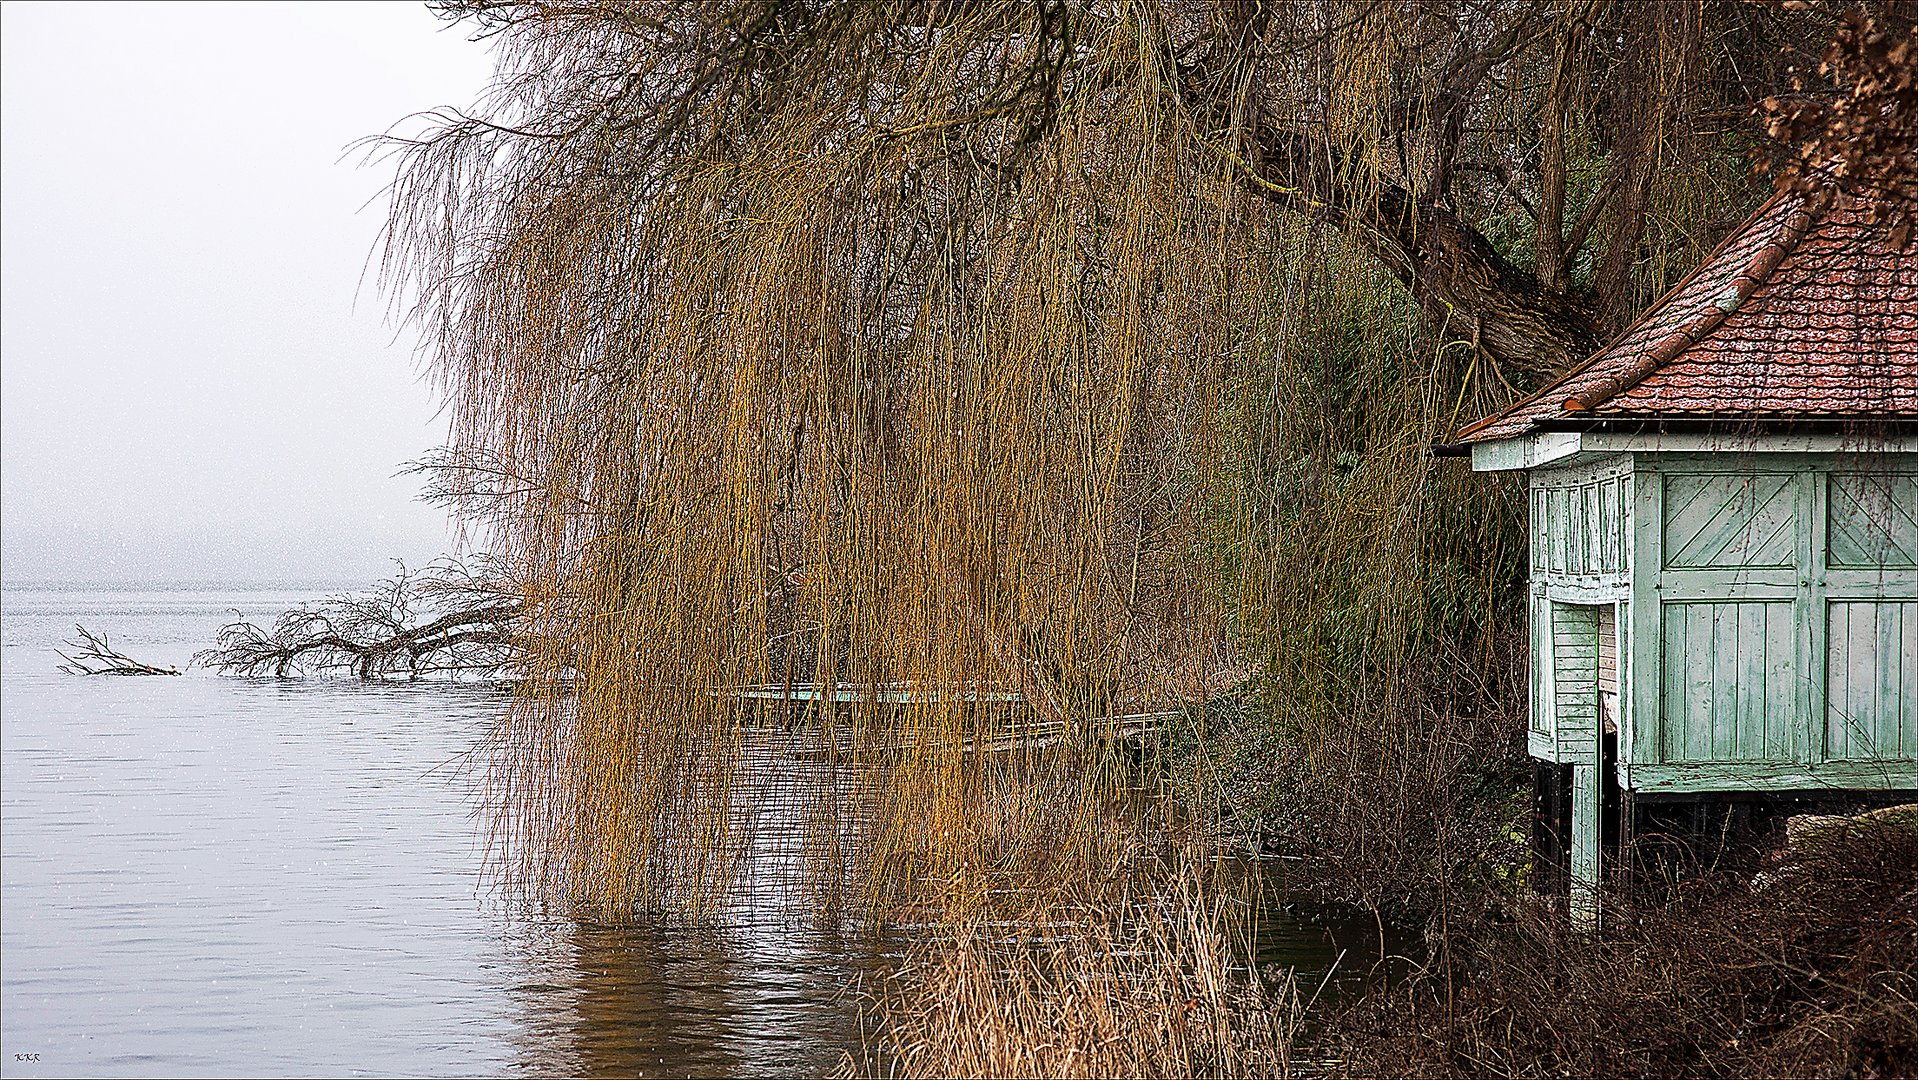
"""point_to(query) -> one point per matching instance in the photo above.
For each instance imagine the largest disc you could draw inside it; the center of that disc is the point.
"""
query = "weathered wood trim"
(1814, 630)
(1744, 443)
(1627, 682)
(1571, 447)
(1595, 590)
(1866, 796)
(1587, 471)
(1588, 797)
(1525, 452)
(1540, 738)
(1832, 776)
(1887, 584)
(1729, 584)
(1646, 644)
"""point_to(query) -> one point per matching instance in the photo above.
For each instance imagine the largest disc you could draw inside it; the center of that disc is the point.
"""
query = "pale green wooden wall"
(1580, 516)
(1575, 682)
(1871, 707)
(1768, 617)
(1580, 552)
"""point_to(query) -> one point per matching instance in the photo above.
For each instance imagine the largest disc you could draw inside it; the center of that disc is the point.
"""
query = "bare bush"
(1811, 970)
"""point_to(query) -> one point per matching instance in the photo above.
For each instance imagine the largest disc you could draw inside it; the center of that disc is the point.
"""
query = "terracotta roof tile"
(1796, 315)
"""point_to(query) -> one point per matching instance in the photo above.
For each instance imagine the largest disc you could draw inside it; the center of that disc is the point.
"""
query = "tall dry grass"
(1158, 986)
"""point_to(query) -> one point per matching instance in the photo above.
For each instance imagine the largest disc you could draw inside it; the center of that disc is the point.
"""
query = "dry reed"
(1158, 986)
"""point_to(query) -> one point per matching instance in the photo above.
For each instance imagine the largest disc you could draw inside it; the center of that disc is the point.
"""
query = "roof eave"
(1539, 447)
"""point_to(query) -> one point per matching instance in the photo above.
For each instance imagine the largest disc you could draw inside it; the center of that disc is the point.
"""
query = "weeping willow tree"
(1017, 366)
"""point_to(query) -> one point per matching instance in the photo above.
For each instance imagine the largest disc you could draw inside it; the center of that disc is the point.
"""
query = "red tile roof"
(1798, 315)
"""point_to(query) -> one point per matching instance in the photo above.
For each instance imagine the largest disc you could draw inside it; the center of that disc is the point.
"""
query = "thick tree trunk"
(1530, 325)
(1471, 293)
(1468, 291)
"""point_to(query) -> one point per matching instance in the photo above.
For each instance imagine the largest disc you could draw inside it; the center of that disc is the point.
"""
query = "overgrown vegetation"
(1084, 352)
(1809, 970)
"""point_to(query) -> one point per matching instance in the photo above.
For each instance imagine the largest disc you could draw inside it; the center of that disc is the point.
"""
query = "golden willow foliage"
(807, 393)
(936, 347)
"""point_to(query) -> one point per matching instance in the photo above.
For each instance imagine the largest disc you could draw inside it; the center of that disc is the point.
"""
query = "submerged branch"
(94, 655)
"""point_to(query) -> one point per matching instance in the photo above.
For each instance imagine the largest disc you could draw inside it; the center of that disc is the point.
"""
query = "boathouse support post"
(1588, 797)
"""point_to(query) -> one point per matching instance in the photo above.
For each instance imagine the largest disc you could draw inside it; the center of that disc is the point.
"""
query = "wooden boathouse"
(1723, 518)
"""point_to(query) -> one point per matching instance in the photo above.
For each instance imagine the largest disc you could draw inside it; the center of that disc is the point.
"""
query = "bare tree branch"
(94, 655)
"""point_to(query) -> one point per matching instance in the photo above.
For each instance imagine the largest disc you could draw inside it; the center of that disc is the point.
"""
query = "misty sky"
(195, 383)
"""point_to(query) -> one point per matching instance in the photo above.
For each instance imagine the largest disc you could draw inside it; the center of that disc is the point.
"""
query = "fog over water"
(199, 380)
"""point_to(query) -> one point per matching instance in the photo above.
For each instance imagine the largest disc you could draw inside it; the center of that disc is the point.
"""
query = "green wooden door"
(1730, 633)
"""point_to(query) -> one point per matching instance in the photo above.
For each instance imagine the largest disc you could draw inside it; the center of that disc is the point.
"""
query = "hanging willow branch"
(772, 365)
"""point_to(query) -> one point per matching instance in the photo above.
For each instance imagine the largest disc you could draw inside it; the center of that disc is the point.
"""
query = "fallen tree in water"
(452, 618)
(93, 654)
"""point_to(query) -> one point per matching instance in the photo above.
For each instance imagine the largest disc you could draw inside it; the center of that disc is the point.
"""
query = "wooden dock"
(1132, 728)
(854, 693)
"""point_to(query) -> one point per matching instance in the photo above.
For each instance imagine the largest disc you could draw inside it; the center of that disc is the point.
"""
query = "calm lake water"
(208, 876)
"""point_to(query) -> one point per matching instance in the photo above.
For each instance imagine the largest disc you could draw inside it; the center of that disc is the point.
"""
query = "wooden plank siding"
(1871, 704)
(1608, 649)
(1729, 630)
(1575, 682)
(1777, 620)
(1731, 682)
(1578, 520)
(1868, 629)
(1581, 554)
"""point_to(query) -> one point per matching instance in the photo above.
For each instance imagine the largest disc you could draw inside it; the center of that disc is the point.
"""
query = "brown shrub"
(1808, 970)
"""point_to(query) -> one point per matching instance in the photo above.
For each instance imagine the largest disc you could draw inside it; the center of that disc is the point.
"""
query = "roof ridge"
(1798, 222)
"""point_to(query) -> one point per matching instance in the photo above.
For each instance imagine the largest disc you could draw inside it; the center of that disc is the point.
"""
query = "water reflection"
(207, 876)
(605, 1001)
